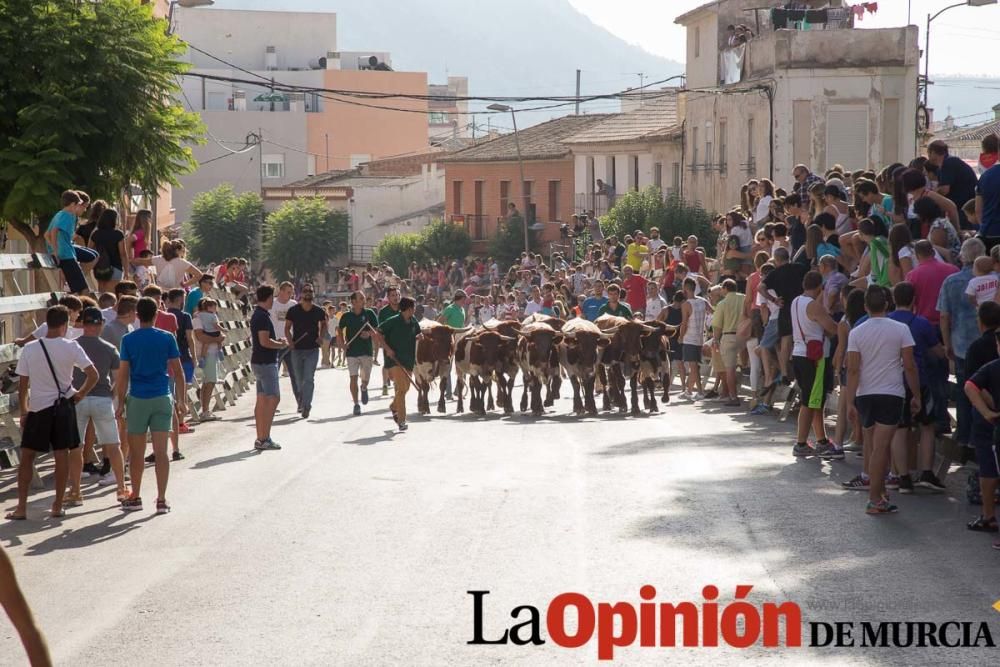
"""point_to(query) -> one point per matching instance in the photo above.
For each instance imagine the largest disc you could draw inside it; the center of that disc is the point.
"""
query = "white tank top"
(842, 226)
(804, 329)
(695, 334)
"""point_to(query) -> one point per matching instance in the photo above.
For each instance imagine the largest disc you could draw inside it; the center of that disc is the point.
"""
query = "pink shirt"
(926, 279)
(635, 294)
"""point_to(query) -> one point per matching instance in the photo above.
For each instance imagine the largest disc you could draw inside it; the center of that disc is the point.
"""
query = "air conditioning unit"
(270, 58)
(318, 63)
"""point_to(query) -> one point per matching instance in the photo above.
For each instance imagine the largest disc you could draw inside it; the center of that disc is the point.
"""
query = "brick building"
(482, 180)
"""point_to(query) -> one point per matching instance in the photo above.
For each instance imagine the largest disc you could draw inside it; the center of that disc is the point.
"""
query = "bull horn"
(460, 331)
(570, 334)
(608, 335)
(648, 329)
(506, 338)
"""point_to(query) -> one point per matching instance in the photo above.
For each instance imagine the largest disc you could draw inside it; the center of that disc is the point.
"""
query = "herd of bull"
(609, 356)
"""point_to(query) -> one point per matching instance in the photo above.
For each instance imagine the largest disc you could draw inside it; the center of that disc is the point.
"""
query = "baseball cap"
(92, 315)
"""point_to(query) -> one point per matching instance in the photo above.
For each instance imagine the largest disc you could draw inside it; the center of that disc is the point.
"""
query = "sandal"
(16, 517)
(983, 525)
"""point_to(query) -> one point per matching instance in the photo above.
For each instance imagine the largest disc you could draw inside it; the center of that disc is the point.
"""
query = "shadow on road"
(221, 460)
(372, 440)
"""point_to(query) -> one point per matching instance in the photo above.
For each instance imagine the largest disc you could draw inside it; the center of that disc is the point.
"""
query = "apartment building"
(302, 133)
(449, 115)
(816, 92)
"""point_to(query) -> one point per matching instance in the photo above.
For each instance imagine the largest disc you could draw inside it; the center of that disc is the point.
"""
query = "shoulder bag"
(814, 348)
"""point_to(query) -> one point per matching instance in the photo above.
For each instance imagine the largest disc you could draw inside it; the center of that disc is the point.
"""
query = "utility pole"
(577, 92)
(327, 136)
(259, 241)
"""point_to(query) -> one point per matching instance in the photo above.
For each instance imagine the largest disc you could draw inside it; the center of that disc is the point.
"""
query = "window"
(751, 154)
(437, 118)
(675, 180)
(633, 175)
(847, 135)
(694, 148)
(553, 201)
(697, 41)
(526, 203)
(658, 175)
(504, 196)
(273, 166)
(709, 154)
(722, 146)
(456, 197)
(612, 175)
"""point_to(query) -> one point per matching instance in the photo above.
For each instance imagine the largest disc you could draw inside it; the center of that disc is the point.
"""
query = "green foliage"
(223, 224)
(302, 237)
(398, 250)
(88, 103)
(673, 217)
(506, 247)
(436, 241)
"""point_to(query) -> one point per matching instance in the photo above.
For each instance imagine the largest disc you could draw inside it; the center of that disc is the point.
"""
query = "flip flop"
(14, 517)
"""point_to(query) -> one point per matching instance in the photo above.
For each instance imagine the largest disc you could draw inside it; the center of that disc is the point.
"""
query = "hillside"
(530, 47)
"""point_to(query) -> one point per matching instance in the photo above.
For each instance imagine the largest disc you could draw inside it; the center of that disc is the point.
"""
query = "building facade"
(480, 182)
(449, 115)
(301, 133)
(822, 96)
(966, 142)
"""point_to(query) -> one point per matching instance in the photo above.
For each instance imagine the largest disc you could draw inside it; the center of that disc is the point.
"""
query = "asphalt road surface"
(355, 545)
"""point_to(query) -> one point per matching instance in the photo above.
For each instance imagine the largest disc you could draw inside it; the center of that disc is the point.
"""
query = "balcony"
(474, 223)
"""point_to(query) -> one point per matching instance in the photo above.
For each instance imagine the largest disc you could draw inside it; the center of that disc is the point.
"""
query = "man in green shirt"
(398, 336)
(615, 306)
(454, 316)
(356, 327)
(390, 310)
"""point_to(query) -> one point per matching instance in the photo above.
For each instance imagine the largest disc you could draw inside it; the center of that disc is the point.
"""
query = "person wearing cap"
(97, 407)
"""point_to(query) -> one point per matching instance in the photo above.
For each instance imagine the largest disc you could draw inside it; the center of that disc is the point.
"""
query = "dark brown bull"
(435, 348)
(507, 368)
(579, 355)
(478, 357)
(654, 364)
(538, 357)
(555, 381)
(621, 360)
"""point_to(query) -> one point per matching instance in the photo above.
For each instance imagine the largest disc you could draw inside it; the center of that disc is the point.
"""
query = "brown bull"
(654, 363)
(579, 356)
(435, 349)
(507, 368)
(478, 356)
(621, 360)
(538, 357)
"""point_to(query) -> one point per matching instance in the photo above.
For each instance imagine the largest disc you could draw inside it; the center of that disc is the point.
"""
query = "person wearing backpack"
(112, 252)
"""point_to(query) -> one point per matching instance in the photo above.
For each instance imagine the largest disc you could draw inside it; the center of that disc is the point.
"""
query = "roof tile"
(538, 142)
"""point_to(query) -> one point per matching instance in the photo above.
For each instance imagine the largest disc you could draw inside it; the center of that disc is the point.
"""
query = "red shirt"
(926, 280)
(165, 321)
(635, 295)
(753, 282)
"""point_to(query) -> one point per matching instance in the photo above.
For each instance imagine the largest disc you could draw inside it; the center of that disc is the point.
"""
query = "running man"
(354, 333)
(390, 310)
(398, 336)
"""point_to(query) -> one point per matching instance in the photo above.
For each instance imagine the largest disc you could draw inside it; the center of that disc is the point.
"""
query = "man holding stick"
(354, 334)
(398, 336)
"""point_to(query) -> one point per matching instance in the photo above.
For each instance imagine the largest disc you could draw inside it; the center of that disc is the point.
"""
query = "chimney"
(333, 59)
(240, 100)
(270, 58)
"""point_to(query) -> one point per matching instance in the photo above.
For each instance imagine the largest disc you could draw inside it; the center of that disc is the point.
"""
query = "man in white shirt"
(45, 426)
(283, 302)
(654, 302)
(534, 304)
(654, 242)
(879, 354)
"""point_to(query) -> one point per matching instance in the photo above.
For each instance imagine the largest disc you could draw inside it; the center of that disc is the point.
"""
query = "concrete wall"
(702, 66)
(243, 171)
(241, 36)
(376, 204)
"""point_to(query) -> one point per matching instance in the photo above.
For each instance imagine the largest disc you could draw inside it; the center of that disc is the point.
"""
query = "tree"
(444, 239)
(398, 250)
(88, 103)
(223, 224)
(302, 237)
(672, 216)
(506, 247)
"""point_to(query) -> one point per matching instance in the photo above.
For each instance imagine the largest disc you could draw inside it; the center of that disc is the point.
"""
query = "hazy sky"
(964, 40)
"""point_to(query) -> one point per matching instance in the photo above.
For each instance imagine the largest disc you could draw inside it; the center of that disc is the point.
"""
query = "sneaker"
(105, 467)
(107, 480)
(162, 507)
(177, 456)
(685, 396)
(403, 426)
(305, 413)
(208, 417)
(851, 446)
(833, 453)
(892, 482)
(905, 484)
(699, 396)
(822, 447)
(364, 396)
(184, 428)
(91, 469)
(357, 410)
(803, 449)
(266, 444)
(982, 524)
(859, 483)
(711, 395)
(996, 544)
(132, 505)
(151, 458)
(881, 507)
(760, 410)
(929, 480)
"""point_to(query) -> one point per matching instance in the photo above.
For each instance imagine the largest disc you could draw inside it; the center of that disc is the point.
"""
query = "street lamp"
(520, 164)
(927, 36)
(187, 4)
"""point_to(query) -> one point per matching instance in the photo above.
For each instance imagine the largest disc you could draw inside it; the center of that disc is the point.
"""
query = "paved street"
(356, 546)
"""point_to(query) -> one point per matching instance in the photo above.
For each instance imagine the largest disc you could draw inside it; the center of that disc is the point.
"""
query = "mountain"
(518, 47)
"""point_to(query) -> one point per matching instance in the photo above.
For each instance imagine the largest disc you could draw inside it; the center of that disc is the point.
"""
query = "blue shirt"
(989, 190)
(193, 297)
(148, 350)
(924, 339)
(261, 321)
(592, 306)
(953, 303)
(65, 225)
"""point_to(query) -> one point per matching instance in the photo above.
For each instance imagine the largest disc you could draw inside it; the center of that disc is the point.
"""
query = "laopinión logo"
(708, 624)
